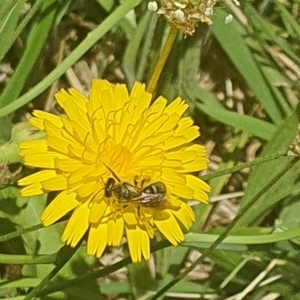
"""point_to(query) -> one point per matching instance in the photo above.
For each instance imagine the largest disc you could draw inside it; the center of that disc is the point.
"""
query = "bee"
(152, 195)
(123, 191)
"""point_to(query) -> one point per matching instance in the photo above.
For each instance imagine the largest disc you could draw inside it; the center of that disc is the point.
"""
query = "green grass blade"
(14, 35)
(131, 53)
(35, 42)
(192, 239)
(260, 24)
(289, 18)
(9, 16)
(262, 174)
(212, 107)
(84, 46)
(232, 40)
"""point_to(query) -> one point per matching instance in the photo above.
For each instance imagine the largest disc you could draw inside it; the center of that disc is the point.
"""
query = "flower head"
(185, 15)
(119, 165)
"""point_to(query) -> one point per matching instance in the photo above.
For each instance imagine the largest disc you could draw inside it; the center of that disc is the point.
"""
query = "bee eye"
(109, 186)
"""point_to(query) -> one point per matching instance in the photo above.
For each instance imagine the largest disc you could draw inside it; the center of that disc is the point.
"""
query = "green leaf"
(212, 107)
(208, 104)
(232, 39)
(262, 175)
(135, 273)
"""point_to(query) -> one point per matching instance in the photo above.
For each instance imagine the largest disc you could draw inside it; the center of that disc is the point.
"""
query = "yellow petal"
(115, 231)
(41, 116)
(102, 93)
(52, 129)
(140, 100)
(34, 189)
(68, 165)
(77, 225)
(86, 189)
(185, 215)
(170, 176)
(97, 239)
(60, 206)
(177, 106)
(31, 147)
(77, 176)
(81, 101)
(57, 183)
(74, 105)
(168, 226)
(41, 160)
(138, 243)
(199, 187)
(129, 215)
(174, 142)
(98, 210)
(156, 109)
(156, 126)
(37, 177)
(184, 124)
(76, 130)
(183, 191)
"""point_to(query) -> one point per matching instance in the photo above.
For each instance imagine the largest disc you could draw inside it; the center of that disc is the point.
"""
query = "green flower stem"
(27, 259)
(226, 231)
(162, 60)
(241, 166)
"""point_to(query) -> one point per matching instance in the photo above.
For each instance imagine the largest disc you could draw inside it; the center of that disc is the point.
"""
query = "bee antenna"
(112, 172)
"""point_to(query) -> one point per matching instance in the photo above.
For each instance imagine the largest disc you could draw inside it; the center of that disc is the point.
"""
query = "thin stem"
(241, 166)
(162, 60)
(17, 233)
(64, 255)
(61, 285)
(224, 234)
(27, 259)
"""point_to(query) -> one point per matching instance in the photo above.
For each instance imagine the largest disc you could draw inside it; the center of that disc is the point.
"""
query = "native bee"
(123, 191)
(150, 196)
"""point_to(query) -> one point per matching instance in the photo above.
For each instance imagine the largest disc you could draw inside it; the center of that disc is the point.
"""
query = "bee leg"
(136, 180)
(145, 180)
(139, 211)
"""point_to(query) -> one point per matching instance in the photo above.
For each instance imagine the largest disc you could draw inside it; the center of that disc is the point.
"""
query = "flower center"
(118, 159)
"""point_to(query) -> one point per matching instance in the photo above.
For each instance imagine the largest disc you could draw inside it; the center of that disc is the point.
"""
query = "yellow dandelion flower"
(120, 166)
